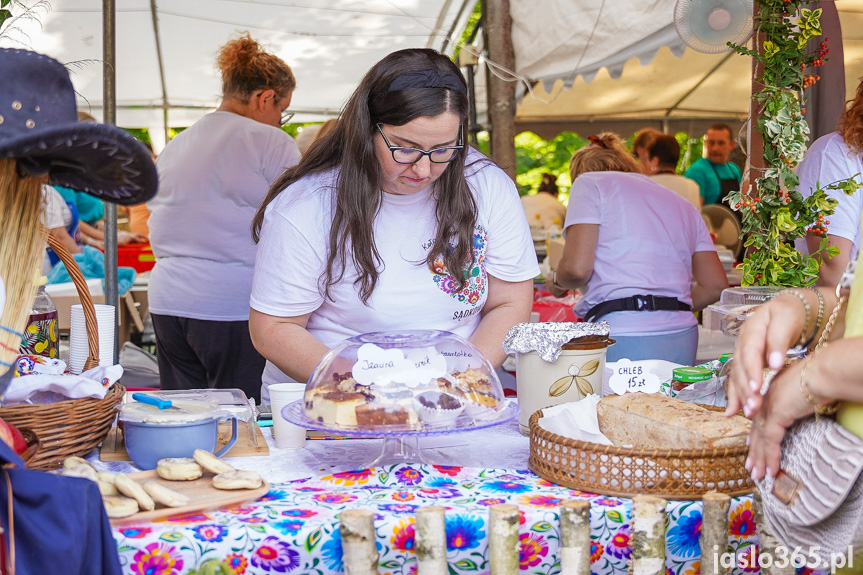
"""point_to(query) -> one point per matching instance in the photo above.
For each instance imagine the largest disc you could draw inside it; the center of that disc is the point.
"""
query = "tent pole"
(159, 58)
(497, 33)
(755, 142)
(109, 95)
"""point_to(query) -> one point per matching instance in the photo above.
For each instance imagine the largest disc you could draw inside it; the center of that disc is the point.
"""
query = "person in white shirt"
(390, 222)
(213, 176)
(831, 158)
(58, 219)
(662, 157)
(633, 248)
(543, 207)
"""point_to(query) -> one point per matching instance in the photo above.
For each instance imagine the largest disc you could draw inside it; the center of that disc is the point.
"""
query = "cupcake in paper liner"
(437, 407)
(480, 405)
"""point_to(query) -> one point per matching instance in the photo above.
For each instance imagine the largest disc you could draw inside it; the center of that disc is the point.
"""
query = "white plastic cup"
(286, 434)
(78, 340)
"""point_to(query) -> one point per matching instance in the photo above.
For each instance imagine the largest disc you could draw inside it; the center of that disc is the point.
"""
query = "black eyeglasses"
(286, 117)
(405, 155)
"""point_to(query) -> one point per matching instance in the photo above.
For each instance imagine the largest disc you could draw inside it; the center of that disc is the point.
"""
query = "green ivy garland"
(774, 213)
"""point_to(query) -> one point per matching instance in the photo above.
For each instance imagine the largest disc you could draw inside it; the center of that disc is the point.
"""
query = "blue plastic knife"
(157, 401)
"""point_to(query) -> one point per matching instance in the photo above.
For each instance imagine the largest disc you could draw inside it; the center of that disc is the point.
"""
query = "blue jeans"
(679, 347)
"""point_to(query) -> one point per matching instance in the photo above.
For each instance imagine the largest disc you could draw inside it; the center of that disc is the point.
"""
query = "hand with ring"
(763, 341)
(781, 406)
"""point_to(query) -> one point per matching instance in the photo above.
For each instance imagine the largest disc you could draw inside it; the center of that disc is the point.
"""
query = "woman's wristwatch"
(554, 281)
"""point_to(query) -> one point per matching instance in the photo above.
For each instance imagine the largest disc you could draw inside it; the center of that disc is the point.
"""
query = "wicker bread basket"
(75, 426)
(626, 471)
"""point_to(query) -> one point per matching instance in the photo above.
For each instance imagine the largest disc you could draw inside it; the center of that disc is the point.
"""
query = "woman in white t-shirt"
(830, 159)
(633, 247)
(390, 222)
(212, 178)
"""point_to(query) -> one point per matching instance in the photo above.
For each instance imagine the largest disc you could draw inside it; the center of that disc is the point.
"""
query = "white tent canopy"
(329, 44)
(607, 64)
(592, 64)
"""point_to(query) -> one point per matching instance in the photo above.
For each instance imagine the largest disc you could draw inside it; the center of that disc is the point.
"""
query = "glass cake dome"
(403, 382)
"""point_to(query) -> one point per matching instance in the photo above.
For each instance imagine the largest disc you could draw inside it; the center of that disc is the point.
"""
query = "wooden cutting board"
(201, 493)
(116, 450)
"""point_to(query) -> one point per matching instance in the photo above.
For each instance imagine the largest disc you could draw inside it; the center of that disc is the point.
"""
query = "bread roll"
(178, 469)
(165, 496)
(107, 477)
(237, 480)
(658, 421)
(84, 470)
(210, 462)
(106, 488)
(119, 506)
(131, 488)
(71, 462)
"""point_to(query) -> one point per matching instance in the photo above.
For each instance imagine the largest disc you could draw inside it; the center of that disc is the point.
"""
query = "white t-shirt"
(212, 178)
(647, 236)
(547, 206)
(55, 211)
(55, 214)
(829, 160)
(292, 257)
(683, 187)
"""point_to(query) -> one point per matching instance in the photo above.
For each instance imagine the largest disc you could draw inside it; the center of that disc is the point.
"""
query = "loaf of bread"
(658, 421)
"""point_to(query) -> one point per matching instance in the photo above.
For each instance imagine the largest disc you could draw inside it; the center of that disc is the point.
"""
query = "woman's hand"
(764, 339)
(125, 238)
(93, 242)
(783, 405)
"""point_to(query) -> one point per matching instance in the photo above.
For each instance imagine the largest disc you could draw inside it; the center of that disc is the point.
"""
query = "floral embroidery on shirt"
(476, 274)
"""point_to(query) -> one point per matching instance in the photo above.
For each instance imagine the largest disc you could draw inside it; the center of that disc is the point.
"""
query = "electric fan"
(707, 25)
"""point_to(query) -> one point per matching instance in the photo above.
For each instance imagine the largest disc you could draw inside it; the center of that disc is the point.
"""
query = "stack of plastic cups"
(286, 434)
(79, 347)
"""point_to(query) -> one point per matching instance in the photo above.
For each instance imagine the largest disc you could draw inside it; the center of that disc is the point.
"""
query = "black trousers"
(200, 354)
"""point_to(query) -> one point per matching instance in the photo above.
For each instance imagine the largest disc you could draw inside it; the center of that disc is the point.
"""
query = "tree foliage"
(535, 156)
(774, 213)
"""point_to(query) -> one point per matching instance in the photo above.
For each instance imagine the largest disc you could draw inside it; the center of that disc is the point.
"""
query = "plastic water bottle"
(553, 232)
(40, 335)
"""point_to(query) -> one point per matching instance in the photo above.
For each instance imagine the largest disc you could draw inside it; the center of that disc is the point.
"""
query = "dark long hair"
(350, 147)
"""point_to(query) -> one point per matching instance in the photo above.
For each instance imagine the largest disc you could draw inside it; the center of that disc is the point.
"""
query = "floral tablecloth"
(295, 527)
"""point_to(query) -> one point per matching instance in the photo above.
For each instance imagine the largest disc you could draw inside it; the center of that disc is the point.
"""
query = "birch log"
(503, 545)
(358, 542)
(714, 532)
(430, 541)
(768, 544)
(575, 537)
(648, 535)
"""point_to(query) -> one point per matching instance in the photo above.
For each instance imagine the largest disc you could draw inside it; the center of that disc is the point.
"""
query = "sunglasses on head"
(596, 141)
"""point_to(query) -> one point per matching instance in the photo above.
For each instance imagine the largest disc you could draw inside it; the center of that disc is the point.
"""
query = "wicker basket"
(625, 471)
(66, 428)
(75, 426)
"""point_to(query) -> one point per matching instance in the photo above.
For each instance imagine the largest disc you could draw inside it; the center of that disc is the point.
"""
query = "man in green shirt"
(715, 175)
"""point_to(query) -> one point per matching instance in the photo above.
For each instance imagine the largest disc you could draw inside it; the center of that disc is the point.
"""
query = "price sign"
(383, 367)
(629, 377)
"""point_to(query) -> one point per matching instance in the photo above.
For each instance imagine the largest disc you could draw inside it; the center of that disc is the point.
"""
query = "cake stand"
(401, 442)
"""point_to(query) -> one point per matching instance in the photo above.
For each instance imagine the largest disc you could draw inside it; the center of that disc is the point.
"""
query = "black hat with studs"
(39, 128)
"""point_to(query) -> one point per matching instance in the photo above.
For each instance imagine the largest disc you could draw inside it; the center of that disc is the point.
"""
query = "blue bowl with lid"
(152, 434)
